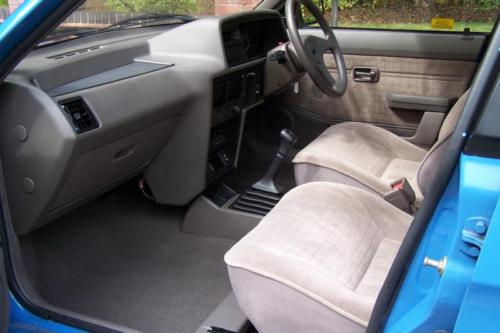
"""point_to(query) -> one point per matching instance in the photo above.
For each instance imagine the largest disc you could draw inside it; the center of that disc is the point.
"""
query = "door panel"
(367, 101)
(410, 76)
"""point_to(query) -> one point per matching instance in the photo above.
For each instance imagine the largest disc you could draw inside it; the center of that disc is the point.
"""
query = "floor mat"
(124, 259)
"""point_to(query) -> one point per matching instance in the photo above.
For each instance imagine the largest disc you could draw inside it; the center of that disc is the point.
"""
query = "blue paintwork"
(466, 297)
(481, 304)
(23, 321)
(428, 302)
(20, 24)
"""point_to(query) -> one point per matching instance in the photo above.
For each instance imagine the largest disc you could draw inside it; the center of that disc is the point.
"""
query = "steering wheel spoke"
(326, 77)
(311, 49)
(332, 42)
(321, 44)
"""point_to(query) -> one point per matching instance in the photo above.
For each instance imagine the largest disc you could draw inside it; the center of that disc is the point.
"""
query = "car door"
(402, 80)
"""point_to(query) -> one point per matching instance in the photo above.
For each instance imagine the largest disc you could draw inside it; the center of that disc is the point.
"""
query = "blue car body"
(464, 230)
(465, 296)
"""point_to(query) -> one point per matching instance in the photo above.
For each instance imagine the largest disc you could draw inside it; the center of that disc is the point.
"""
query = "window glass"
(4, 10)
(95, 15)
(436, 15)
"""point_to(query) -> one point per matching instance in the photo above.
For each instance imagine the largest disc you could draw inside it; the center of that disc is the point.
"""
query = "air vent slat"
(233, 88)
(227, 89)
(219, 94)
(79, 115)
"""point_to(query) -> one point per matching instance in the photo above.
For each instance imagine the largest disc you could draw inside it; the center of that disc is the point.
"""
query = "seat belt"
(401, 195)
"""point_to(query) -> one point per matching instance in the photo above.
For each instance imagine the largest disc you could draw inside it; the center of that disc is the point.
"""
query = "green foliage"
(327, 4)
(154, 6)
(477, 5)
(3, 3)
(343, 4)
(484, 5)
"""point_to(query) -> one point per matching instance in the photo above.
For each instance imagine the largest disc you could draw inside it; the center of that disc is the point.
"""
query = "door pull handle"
(365, 74)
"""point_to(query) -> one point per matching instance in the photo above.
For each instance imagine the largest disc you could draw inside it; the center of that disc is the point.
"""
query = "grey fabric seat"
(371, 158)
(317, 261)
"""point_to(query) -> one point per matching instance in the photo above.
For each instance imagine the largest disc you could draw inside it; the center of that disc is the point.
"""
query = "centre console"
(232, 93)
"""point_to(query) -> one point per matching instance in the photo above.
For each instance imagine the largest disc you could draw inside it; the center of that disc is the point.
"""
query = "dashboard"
(85, 115)
(251, 39)
(245, 40)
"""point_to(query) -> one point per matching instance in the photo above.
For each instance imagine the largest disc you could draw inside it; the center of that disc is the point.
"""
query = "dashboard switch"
(224, 156)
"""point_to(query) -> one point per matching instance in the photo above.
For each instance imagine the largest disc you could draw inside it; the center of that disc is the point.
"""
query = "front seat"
(371, 158)
(317, 261)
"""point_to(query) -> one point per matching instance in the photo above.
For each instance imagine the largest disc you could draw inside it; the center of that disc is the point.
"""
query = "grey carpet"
(124, 259)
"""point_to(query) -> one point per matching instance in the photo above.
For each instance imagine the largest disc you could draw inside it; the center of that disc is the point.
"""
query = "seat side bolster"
(292, 311)
(306, 172)
(350, 305)
(430, 164)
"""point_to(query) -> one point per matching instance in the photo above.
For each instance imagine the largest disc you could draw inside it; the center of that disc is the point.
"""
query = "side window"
(430, 15)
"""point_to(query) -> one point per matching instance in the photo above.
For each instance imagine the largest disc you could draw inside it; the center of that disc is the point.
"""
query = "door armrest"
(421, 103)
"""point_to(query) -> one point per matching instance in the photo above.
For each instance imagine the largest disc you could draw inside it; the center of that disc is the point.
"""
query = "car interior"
(239, 173)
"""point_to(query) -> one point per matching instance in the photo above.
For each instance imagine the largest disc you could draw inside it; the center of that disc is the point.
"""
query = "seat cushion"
(332, 244)
(361, 155)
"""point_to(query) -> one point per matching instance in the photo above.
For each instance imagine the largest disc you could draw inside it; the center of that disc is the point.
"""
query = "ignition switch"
(278, 56)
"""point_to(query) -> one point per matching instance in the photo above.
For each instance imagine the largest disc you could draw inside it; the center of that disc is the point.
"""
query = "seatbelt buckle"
(401, 195)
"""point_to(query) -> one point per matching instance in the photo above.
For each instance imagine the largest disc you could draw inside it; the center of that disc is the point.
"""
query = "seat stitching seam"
(344, 174)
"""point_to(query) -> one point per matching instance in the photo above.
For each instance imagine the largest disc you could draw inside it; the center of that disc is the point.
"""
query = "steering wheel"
(310, 50)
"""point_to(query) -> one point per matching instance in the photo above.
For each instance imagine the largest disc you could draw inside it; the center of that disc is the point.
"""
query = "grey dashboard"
(83, 116)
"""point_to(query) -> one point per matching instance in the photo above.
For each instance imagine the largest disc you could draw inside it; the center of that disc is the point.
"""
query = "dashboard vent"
(227, 89)
(233, 88)
(79, 115)
(219, 97)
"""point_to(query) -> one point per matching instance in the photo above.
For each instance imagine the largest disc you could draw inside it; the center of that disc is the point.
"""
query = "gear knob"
(288, 136)
(288, 140)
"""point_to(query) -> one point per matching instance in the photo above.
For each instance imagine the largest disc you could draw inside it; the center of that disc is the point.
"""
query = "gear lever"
(267, 184)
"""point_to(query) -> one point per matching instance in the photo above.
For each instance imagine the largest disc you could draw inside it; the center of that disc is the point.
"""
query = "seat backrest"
(430, 165)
